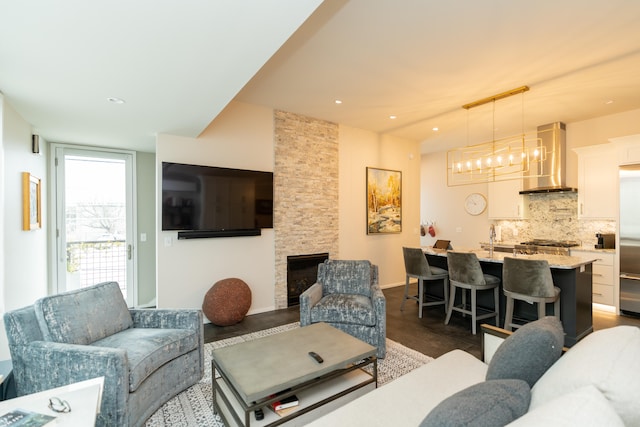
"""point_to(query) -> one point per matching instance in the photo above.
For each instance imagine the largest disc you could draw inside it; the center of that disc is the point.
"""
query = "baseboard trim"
(392, 285)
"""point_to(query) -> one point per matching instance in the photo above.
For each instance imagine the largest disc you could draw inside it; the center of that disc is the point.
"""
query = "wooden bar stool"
(417, 266)
(528, 280)
(466, 273)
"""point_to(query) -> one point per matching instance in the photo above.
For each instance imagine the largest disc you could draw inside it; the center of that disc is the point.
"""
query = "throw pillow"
(491, 404)
(609, 359)
(529, 352)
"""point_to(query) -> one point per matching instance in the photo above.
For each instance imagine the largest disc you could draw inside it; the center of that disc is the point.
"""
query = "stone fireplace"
(305, 205)
(302, 271)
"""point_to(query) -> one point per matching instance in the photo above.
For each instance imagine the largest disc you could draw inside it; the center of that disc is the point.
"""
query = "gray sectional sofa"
(146, 356)
(595, 383)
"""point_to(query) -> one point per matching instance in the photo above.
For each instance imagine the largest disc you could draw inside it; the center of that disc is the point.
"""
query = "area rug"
(194, 406)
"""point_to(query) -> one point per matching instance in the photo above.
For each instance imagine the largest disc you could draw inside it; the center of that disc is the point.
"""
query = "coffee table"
(248, 375)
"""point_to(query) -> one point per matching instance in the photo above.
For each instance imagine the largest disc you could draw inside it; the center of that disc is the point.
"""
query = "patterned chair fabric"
(146, 356)
(347, 296)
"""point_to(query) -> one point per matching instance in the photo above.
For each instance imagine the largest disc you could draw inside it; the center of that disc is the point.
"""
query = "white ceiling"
(178, 64)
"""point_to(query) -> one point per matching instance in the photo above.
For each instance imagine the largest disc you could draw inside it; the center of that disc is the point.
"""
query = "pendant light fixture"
(498, 159)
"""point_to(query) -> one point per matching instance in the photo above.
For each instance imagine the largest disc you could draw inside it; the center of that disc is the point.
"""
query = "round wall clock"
(475, 204)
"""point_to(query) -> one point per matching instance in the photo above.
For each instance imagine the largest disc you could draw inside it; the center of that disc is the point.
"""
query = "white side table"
(84, 398)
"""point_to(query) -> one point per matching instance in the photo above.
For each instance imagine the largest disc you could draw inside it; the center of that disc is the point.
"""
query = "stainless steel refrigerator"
(630, 238)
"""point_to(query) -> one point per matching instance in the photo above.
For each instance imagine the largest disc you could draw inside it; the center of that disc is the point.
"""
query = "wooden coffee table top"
(265, 366)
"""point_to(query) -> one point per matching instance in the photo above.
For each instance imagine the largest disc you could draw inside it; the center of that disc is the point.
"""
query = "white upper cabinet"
(597, 182)
(628, 149)
(505, 200)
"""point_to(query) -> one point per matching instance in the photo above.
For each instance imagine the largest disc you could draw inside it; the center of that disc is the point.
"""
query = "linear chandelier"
(496, 160)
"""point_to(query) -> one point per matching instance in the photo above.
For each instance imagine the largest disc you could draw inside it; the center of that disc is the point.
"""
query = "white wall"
(445, 206)
(358, 150)
(24, 257)
(4, 350)
(241, 137)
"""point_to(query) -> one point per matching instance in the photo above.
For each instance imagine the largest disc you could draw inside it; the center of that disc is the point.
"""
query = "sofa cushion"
(345, 277)
(344, 308)
(148, 349)
(84, 315)
(609, 359)
(419, 391)
(584, 407)
(491, 403)
(528, 352)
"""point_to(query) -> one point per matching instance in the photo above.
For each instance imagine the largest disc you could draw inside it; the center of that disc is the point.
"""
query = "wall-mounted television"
(208, 201)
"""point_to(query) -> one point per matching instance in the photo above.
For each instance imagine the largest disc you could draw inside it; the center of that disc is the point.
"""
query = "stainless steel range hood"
(548, 176)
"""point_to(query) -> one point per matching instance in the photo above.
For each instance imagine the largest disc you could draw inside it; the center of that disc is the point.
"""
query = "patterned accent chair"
(146, 356)
(347, 296)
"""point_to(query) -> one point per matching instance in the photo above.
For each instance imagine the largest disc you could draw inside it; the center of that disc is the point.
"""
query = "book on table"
(285, 406)
(20, 417)
(285, 402)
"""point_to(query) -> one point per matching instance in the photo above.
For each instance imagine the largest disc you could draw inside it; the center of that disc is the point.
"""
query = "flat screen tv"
(212, 201)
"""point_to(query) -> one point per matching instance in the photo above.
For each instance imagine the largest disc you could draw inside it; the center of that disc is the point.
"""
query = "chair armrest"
(172, 319)
(379, 300)
(377, 294)
(492, 337)
(308, 299)
(167, 318)
(380, 307)
(42, 365)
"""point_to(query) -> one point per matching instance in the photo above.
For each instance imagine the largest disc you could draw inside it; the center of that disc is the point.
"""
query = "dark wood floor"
(428, 335)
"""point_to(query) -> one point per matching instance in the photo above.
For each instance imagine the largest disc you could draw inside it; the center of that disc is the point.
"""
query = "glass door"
(94, 219)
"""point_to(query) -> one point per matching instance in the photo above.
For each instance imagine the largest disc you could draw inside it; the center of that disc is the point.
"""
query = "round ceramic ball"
(227, 302)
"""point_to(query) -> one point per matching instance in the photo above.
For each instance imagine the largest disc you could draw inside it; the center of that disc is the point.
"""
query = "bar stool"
(466, 273)
(528, 280)
(417, 266)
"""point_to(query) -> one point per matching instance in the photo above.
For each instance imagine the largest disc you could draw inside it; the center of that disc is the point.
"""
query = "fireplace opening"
(302, 272)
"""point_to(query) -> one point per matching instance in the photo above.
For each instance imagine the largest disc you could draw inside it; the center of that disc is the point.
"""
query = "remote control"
(316, 356)
(259, 414)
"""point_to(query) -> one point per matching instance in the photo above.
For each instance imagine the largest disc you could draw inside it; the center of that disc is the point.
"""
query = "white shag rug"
(194, 406)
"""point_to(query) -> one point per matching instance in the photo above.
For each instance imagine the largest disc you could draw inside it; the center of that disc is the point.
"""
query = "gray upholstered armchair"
(146, 356)
(348, 297)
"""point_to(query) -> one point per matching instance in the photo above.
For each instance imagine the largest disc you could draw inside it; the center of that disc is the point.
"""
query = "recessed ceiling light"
(337, 101)
(392, 117)
(435, 129)
(115, 100)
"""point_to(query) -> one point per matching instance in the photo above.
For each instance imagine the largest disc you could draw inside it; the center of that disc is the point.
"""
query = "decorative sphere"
(227, 302)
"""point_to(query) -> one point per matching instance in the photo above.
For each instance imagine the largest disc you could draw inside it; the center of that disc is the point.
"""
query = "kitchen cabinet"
(628, 149)
(505, 202)
(603, 276)
(597, 182)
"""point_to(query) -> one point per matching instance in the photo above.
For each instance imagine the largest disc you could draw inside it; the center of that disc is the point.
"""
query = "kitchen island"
(571, 274)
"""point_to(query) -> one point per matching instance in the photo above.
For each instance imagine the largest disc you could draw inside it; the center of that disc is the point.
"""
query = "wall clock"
(475, 204)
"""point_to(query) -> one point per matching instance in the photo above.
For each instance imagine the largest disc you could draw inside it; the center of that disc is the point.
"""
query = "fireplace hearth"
(302, 272)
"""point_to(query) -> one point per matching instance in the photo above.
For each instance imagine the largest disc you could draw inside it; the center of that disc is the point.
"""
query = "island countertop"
(572, 274)
(555, 261)
(510, 246)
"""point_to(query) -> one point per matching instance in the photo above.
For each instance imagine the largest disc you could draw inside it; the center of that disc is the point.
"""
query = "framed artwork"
(31, 202)
(384, 201)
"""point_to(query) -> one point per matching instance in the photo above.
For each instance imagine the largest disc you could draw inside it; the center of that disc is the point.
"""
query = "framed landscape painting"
(384, 201)
(31, 202)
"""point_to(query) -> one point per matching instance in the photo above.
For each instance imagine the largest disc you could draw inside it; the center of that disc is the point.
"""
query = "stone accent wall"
(305, 192)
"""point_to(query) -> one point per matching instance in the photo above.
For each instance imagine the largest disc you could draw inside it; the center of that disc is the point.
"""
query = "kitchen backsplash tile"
(554, 216)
